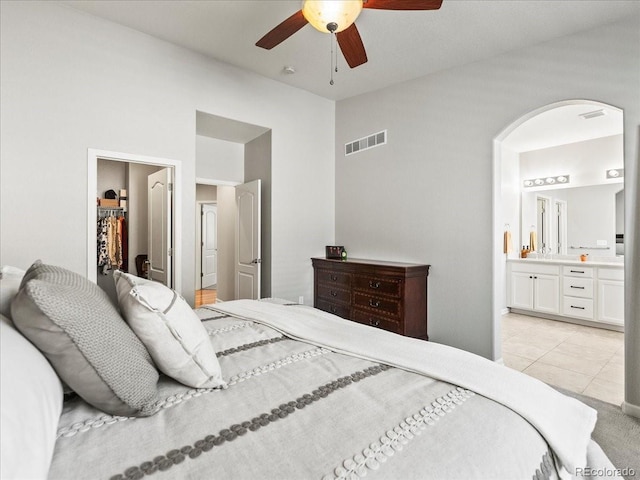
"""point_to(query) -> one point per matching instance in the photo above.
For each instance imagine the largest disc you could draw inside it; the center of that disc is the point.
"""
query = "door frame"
(560, 225)
(93, 155)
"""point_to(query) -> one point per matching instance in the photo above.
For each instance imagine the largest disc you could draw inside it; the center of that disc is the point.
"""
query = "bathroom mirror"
(575, 220)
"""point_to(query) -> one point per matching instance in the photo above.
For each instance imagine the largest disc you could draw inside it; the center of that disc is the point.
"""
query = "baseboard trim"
(630, 409)
(505, 310)
(577, 321)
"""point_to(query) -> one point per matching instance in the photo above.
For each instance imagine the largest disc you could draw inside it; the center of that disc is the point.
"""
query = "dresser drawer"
(578, 271)
(373, 320)
(578, 307)
(578, 287)
(373, 303)
(335, 308)
(334, 278)
(378, 286)
(333, 294)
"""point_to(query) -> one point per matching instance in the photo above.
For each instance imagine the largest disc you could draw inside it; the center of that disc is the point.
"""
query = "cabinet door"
(521, 290)
(547, 293)
(611, 301)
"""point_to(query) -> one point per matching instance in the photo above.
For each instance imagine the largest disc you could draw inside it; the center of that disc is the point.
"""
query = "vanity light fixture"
(548, 181)
(615, 173)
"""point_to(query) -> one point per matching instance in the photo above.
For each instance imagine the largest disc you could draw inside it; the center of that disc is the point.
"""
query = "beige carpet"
(618, 434)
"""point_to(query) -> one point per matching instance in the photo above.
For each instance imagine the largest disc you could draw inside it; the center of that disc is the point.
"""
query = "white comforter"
(564, 422)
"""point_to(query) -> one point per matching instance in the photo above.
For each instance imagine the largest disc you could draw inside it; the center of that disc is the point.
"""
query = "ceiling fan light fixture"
(321, 13)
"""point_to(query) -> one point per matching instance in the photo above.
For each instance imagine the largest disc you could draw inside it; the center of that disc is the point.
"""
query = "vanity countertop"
(596, 262)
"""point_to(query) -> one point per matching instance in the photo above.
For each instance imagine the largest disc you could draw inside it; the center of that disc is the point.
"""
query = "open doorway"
(153, 204)
(233, 172)
(560, 331)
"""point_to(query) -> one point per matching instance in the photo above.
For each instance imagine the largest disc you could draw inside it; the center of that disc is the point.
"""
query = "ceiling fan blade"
(352, 46)
(283, 31)
(403, 4)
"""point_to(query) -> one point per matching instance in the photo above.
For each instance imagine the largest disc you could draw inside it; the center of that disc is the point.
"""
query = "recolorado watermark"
(606, 472)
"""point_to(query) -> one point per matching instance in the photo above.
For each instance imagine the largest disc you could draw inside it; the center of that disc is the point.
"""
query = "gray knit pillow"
(93, 350)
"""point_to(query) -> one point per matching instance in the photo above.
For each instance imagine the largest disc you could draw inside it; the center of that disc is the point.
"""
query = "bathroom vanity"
(590, 292)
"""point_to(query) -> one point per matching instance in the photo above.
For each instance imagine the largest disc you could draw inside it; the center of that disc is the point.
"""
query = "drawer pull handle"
(577, 271)
(334, 294)
(573, 286)
(333, 309)
(334, 278)
(373, 284)
(579, 308)
(374, 322)
(374, 304)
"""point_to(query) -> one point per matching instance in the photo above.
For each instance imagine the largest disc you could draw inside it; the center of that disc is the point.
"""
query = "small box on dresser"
(387, 295)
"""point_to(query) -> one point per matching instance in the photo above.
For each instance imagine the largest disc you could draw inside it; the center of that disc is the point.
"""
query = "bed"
(294, 393)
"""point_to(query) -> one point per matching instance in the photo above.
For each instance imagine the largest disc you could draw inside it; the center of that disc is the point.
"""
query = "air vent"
(594, 114)
(365, 143)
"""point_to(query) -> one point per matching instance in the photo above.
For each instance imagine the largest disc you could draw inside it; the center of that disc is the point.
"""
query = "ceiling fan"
(338, 17)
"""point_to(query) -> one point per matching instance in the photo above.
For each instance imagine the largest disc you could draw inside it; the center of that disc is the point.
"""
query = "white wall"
(426, 196)
(111, 176)
(226, 242)
(71, 81)
(257, 165)
(591, 217)
(219, 160)
(511, 197)
(510, 209)
(206, 193)
(586, 162)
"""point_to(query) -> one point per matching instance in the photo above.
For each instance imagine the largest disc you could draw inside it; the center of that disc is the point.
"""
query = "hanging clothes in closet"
(112, 240)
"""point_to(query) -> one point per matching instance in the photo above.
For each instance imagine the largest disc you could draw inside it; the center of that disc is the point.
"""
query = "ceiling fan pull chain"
(333, 35)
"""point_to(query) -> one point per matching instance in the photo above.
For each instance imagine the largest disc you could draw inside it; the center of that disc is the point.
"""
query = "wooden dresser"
(387, 295)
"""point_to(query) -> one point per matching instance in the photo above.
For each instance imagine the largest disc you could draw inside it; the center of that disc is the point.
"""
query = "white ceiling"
(563, 125)
(400, 45)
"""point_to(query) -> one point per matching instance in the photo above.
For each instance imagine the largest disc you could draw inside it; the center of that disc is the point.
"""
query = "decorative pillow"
(31, 399)
(171, 330)
(10, 278)
(72, 321)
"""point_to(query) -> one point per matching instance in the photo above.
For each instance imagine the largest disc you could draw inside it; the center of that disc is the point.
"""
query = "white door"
(159, 226)
(248, 247)
(209, 256)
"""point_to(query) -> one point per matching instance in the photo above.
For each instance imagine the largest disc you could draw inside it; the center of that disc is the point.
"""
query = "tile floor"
(582, 359)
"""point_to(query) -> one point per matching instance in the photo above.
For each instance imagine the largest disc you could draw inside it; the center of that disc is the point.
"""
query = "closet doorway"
(167, 216)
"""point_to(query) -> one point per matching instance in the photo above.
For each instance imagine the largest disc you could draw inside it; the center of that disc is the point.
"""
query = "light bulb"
(320, 13)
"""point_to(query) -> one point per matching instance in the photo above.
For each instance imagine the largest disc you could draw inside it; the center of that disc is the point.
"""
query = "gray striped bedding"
(294, 410)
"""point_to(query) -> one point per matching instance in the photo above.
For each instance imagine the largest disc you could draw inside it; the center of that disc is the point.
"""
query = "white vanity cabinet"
(535, 287)
(577, 291)
(611, 295)
(567, 290)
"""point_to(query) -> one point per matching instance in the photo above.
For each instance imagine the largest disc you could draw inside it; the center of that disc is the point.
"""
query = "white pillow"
(10, 278)
(170, 329)
(31, 400)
